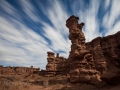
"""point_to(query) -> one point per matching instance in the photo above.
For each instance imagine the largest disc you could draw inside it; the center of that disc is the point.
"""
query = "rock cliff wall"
(110, 50)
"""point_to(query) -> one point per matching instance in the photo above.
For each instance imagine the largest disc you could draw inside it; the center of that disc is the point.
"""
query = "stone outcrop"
(106, 53)
(51, 64)
(87, 61)
(99, 59)
(61, 65)
(82, 67)
(17, 70)
(56, 65)
(110, 48)
(95, 48)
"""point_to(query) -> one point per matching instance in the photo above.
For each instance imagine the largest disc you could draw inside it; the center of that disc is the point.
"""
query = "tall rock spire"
(82, 67)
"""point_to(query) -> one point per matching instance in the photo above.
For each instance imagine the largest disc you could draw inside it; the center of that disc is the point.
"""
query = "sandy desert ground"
(36, 82)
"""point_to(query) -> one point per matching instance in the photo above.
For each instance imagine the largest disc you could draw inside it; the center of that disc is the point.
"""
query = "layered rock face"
(61, 65)
(99, 59)
(56, 65)
(17, 70)
(109, 49)
(106, 51)
(82, 67)
(51, 64)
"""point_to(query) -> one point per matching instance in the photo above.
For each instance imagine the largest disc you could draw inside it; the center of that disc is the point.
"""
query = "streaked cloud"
(89, 17)
(111, 18)
(28, 29)
(21, 45)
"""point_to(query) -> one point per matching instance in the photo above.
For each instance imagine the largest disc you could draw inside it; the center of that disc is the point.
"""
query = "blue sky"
(30, 28)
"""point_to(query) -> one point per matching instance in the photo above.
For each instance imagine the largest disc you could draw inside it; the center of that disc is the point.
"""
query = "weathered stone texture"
(106, 53)
(56, 65)
(82, 67)
(17, 70)
(110, 48)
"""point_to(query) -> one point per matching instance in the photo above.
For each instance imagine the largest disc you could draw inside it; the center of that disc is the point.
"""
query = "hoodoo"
(82, 67)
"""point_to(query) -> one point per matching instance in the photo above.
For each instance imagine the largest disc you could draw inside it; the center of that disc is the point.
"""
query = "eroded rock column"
(51, 64)
(82, 68)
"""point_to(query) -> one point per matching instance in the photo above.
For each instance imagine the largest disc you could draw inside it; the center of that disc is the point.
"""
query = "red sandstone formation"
(56, 65)
(82, 67)
(17, 70)
(99, 59)
(106, 50)
(110, 48)
(51, 64)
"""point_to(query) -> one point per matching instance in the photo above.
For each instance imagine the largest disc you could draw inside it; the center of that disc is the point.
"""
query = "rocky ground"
(36, 82)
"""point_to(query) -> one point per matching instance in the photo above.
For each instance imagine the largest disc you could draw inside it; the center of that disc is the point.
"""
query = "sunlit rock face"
(82, 67)
(56, 65)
